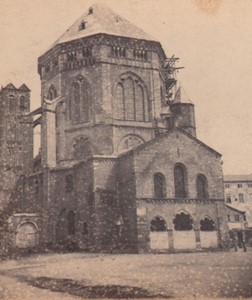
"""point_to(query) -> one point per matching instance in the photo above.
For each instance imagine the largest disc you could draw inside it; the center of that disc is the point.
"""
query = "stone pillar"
(197, 238)
(170, 239)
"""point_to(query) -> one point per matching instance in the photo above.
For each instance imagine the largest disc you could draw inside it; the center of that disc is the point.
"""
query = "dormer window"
(82, 25)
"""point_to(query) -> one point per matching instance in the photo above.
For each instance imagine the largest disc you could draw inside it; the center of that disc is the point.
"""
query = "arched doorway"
(208, 233)
(26, 235)
(158, 234)
(183, 234)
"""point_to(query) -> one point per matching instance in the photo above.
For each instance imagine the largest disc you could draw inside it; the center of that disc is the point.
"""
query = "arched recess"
(80, 101)
(202, 186)
(130, 99)
(180, 181)
(158, 234)
(52, 93)
(27, 235)
(207, 224)
(208, 233)
(23, 103)
(183, 234)
(129, 141)
(183, 221)
(159, 183)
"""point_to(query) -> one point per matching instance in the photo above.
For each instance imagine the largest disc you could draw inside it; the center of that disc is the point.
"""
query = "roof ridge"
(99, 18)
(141, 146)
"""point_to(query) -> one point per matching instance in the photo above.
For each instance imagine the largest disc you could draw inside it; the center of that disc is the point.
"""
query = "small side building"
(238, 194)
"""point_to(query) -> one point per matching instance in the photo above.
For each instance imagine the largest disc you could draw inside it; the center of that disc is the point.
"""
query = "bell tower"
(16, 137)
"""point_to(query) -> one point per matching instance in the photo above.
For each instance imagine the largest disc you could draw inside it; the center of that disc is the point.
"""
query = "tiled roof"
(101, 19)
(238, 178)
(235, 209)
(163, 135)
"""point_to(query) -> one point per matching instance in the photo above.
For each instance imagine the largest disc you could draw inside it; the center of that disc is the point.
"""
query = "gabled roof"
(235, 209)
(181, 97)
(24, 87)
(146, 144)
(10, 86)
(101, 19)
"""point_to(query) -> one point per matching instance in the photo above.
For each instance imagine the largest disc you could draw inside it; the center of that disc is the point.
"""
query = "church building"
(120, 167)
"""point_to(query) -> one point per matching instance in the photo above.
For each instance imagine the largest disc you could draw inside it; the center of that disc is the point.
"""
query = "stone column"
(170, 239)
(197, 238)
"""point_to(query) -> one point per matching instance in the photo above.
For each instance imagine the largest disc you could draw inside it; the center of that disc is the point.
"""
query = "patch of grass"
(79, 288)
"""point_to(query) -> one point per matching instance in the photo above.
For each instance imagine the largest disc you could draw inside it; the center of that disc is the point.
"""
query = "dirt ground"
(93, 276)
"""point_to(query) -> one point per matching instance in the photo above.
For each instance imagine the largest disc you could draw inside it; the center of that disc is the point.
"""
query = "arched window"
(158, 224)
(130, 99)
(80, 101)
(71, 223)
(36, 186)
(76, 103)
(69, 183)
(52, 93)
(85, 102)
(85, 229)
(119, 98)
(201, 183)
(159, 185)
(23, 104)
(207, 224)
(180, 181)
(12, 104)
(182, 222)
(139, 103)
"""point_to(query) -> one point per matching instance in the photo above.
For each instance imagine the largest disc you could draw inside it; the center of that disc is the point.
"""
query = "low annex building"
(238, 194)
(120, 167)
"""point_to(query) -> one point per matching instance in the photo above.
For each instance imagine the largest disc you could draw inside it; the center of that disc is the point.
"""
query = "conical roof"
(101, 19)
(181, 97)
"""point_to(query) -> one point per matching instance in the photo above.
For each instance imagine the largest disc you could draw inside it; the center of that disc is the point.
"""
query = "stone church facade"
(120, 167)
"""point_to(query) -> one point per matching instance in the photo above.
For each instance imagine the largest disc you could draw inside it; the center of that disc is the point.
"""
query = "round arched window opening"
(158, 224)
(183, 222)
(207, 224)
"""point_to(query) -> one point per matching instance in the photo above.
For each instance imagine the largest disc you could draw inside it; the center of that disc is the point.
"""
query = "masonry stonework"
(120, 168)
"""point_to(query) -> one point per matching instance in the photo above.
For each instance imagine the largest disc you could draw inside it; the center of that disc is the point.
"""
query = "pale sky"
(214, 46)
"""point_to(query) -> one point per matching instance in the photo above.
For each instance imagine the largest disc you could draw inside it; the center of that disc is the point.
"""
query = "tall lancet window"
(130, 102)
(201, 184)
(85, 101)
(80, 101)
(76, 102)
(52, 93)
(180, 181)
(119, 99)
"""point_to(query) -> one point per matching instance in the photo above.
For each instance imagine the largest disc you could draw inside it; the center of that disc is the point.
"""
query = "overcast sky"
(214, 44)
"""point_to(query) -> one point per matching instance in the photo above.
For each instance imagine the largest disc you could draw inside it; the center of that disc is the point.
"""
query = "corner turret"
(183, 112)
